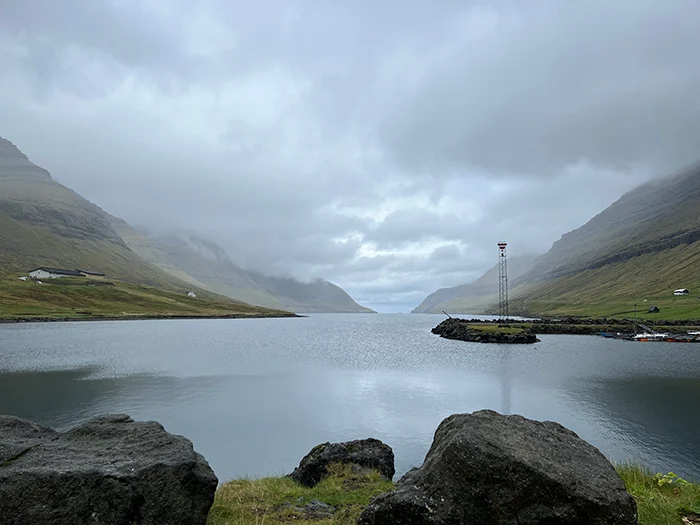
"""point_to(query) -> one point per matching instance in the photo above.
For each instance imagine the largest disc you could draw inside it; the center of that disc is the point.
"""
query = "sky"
(385, 146)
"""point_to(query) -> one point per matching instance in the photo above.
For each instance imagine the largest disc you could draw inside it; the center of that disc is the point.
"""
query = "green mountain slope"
(636, 252)
(640, 248)
(43, 223)
(476, 297)
(206, 264)
(652, 218)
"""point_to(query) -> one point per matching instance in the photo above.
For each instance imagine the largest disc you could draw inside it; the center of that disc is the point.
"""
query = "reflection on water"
(256, 395)
(62, 397)
(655, 418)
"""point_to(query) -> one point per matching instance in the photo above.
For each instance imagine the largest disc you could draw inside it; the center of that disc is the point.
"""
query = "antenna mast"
(502, 281)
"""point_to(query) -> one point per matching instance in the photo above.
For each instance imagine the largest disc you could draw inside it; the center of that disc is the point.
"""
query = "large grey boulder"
(368, 453)
(110, 470)
(486, 469)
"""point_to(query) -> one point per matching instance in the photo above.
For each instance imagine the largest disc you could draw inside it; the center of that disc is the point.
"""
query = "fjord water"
(256, 395)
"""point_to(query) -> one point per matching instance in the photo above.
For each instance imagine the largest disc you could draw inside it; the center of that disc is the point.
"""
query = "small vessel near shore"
(650, 335)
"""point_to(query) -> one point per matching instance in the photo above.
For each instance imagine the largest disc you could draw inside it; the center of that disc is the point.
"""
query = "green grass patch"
(496, 329)
(273, 501)
(84, 299)
(661, 500)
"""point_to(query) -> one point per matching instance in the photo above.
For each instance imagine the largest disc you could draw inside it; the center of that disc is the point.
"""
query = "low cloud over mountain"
(384, 146)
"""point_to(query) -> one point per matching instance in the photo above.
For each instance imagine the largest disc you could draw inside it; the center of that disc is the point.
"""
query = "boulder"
(368, 453)
(110, 470)
(485, 468)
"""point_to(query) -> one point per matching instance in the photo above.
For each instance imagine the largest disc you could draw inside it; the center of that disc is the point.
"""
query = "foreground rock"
(110, 470)
(485, 468)
(367, 453)
(461, 330)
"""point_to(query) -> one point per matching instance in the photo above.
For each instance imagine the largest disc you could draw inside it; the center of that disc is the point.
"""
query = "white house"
(52, 273)
(681, 291)
(191, 294)
(23, 278)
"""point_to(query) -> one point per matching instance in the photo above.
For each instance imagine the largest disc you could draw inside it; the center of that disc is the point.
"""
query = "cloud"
(382, 145)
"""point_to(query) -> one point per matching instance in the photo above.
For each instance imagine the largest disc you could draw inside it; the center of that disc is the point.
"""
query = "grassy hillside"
(43, 223)
(75, 298)
(642, 247)
(647, 280)
(655, 217)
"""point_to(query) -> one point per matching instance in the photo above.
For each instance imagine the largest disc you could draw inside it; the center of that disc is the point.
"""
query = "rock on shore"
(110, 470)
(366, 453)
(491, 469)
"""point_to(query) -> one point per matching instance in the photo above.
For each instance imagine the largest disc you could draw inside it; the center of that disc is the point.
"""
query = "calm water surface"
(256, 395)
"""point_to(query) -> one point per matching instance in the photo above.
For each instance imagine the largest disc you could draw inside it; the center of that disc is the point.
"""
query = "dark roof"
(58, 271)
(91, 273)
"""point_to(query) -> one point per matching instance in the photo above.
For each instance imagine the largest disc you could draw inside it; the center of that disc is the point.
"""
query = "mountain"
(475, 297)
(43, 223)
(635, 252)
(643, 246)
(204, 263)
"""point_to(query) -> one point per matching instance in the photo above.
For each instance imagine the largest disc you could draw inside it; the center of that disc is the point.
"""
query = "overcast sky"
(386, 146)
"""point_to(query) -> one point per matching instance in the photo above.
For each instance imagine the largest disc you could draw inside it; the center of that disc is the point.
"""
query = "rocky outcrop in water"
(461, 330)
(487, 468)
(110, 470)
(367, 453)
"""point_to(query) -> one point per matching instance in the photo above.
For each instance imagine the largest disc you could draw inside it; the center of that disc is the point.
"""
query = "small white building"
(23, 278)
(52, 273)
(191, 294)
(681, 291)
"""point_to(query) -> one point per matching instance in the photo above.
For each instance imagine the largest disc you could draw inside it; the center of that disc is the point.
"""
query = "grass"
(272, 501)
(496, 329)
(657, 504)
(74, 298)
(647, 280)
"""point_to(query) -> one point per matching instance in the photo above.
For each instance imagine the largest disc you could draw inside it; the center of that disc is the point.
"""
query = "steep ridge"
(200, 261)
(656, 216)
(639, 249)
(475, 297)
(43, 223)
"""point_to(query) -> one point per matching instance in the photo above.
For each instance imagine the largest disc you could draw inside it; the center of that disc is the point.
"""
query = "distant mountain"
(475, 297)
(206, 264)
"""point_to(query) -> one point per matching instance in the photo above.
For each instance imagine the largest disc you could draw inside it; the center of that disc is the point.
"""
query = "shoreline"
(155, 317)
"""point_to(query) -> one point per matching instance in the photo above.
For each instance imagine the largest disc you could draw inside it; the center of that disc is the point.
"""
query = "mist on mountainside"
(383, 149)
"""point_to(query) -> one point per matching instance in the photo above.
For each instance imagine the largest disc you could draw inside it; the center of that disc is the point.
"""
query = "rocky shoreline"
(463, 330)
(582, 326)
(482, 467)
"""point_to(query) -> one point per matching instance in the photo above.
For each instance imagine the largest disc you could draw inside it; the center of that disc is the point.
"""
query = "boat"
(645, 338)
